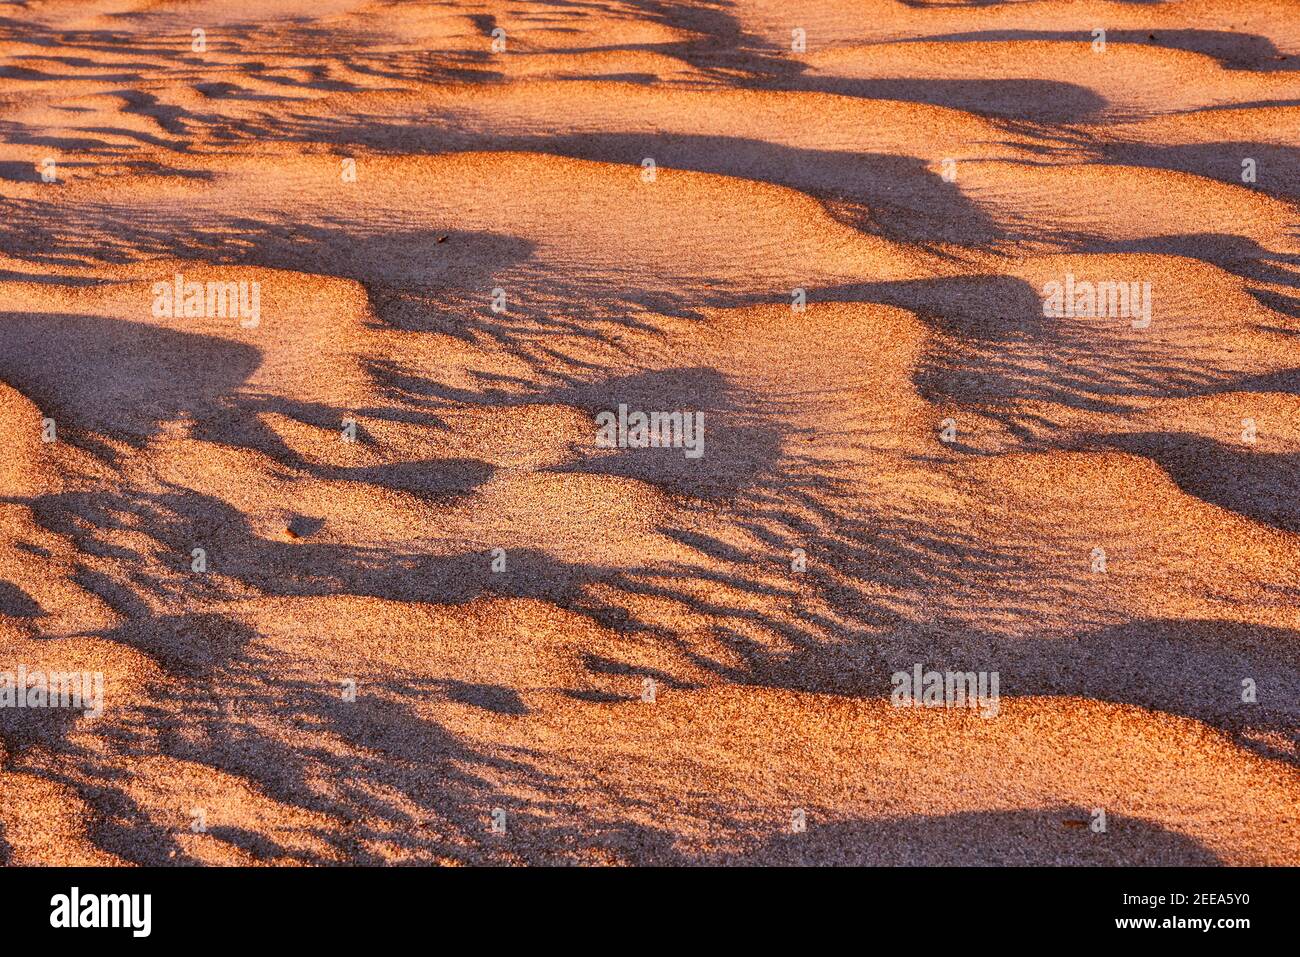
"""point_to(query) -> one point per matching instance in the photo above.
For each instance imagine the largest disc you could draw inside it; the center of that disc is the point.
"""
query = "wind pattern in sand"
(361, 583)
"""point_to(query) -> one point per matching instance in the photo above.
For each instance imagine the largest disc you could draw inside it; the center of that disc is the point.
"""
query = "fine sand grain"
(361, 583)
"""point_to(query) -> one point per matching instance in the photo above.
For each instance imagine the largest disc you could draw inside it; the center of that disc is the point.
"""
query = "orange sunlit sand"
(551, 433)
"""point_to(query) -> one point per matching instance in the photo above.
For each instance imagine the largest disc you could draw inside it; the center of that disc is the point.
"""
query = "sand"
(434, 620)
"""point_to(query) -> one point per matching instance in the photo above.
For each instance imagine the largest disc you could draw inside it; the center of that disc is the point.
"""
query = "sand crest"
(540, 434)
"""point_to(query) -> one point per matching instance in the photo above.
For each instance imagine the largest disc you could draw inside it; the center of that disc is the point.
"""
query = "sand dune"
(362, 582)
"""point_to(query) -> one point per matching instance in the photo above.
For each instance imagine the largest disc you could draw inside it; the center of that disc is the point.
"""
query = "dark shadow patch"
(1042, 101)
(118, 376)
(1028, 838)
(1261, 486)
(495, 698)
(17, 603)
(190, 645)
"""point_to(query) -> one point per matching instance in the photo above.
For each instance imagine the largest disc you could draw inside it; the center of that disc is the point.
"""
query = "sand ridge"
(364, 587)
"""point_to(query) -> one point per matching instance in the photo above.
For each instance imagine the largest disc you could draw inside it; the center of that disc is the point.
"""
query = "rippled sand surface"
(361, 583)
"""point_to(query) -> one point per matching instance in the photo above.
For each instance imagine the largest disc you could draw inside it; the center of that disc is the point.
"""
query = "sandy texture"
(1103, 512)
